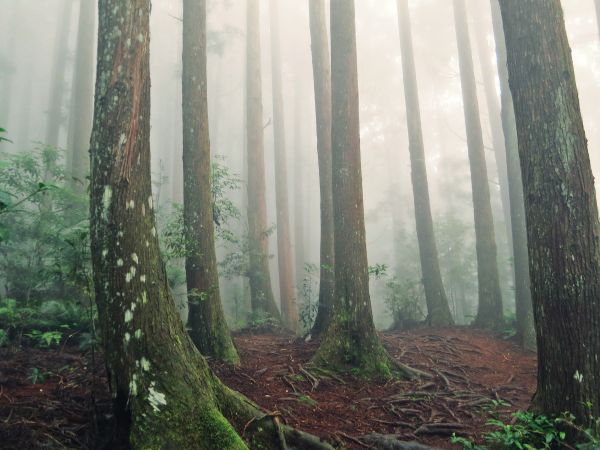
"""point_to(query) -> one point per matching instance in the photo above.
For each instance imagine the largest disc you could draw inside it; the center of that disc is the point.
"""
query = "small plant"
(530, 431)
(45, 339)
(3, 338)
(38, 376)
(309, 293)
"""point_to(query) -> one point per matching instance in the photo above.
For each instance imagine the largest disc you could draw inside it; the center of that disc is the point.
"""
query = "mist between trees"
(177, 171)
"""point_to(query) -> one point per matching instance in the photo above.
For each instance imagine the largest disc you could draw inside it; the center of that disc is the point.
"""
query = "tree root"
(391, 442)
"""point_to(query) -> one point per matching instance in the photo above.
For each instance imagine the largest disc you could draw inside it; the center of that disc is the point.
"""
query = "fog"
(29, 30)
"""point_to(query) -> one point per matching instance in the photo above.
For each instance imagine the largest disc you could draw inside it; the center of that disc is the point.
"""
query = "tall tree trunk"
(57, 82)
(524, 308)
(8, 76)
(560, 207)
(322, 85)
(435, 295)
(489, 312)
(494, 117)
(206, 319)
(82, 98)
(165, 395)
(289, 308)
(261, 290)
(350, 340)
(299, 206)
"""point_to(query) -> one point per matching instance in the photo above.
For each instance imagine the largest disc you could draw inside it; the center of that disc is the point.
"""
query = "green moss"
(180, 428)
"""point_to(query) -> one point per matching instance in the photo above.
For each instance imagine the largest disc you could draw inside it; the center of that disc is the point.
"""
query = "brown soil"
(69, 407)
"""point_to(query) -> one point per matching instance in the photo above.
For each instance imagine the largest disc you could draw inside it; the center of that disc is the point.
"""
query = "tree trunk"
(350, 340)
(165, 395)
(289, 308)
(322, 85)
(8, 76)
(57, 94)
(261, 291)
(493, 110)
(82, 104)
(299, 207)
(206, 319)
(489, 312)
(560, 207)
(435, 295)
(524, 308)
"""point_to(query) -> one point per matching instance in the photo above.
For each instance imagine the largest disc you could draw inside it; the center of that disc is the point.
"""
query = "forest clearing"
(299, 225)
(469, 370)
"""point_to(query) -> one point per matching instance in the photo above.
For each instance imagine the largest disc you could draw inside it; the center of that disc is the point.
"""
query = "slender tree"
(489, 313)
(261, 291)
(560, 205)
(82, 98)
(322, 86)
(524, 309)
(206, 319)
(56, 115)
(435, 295)
(289, 308)
(299, 182)
(7, 75)
(165, 395)
(350, 340)
(494, 116)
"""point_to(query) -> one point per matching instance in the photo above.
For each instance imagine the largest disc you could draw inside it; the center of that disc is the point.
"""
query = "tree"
(350, 340)
(524, 308)
(489, 313)
(206, 319)
(560, 207)
(82, 97)
(322, 86)
(59, 64)
(289, 308)
(494, 117)
(261, 292)
(165, 395)
(6, 69)
(435, 295)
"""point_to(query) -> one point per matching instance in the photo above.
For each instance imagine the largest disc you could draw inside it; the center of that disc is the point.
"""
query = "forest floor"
(58, 398)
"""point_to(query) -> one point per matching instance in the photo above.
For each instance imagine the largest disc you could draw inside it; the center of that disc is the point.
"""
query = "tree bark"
(57, 94)
(435, 295)
(165, 395)
(560, 206)
(350, 340)
(82, 98)
(206, 319)
(489, 313)
(289, 307)
(524, 308)
(261, 290)
(322, 86)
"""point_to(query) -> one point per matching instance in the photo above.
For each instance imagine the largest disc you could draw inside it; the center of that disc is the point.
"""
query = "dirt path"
(469, 369)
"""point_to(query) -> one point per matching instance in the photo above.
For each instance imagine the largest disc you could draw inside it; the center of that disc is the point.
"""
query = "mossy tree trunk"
(261, 291)
(82, 98)
(165, 395)
(489, 312)
(287, 291)
(560, 206)
(524, 308)
(350, 341)
(206, 319)
(435, 295)
(322, 86)
(56, 113)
